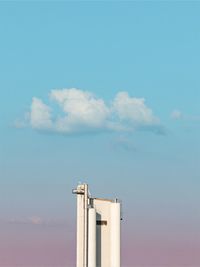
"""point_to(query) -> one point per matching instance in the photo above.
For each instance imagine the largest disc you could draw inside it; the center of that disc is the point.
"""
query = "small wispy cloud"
(176, 114)
(34, 220)
(37, 221)
(81, 111)
(179, 115)
(123, 143)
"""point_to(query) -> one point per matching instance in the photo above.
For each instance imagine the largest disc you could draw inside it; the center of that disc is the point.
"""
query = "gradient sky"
(150, 50)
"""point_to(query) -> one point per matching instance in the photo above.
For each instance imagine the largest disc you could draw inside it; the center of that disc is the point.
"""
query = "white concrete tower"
(98, 230)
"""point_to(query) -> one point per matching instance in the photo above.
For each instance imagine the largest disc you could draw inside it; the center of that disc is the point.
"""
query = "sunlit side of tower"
(98, 230)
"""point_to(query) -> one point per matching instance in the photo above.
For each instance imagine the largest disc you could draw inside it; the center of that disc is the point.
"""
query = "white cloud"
(133, 109)
(81, 111)
(40, 115)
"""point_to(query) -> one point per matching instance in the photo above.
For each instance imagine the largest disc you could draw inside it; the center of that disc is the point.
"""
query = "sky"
(105, 93)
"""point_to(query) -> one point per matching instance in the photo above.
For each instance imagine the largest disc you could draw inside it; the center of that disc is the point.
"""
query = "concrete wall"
(98, 230)
(107, 233)
(103, 232)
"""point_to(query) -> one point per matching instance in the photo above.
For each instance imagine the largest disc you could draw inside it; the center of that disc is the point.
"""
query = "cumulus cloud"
(133, 110)
(40, 115)
(81, 111)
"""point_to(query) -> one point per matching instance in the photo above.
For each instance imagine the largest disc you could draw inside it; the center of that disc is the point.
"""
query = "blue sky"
(147, 49)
